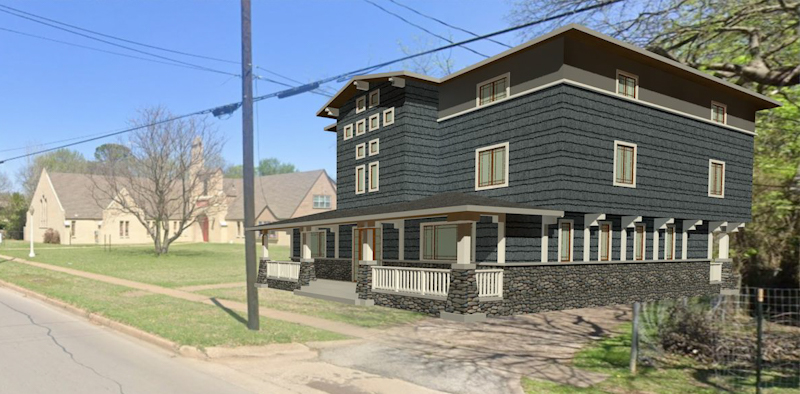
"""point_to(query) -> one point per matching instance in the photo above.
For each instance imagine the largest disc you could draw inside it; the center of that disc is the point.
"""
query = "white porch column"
(30, 223)
(626, 223)
(367, 253)
(501, 238)
(464, 246)
(724, 242)
(659, 224)
(265, 246)
(590, 220)
(290, 232)
(546, 222)
(688, 225)
(335, 230)
(712, 228)
(305, 249)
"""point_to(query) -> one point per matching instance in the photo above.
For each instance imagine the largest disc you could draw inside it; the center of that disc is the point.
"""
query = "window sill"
(716, 196)
(481, 188)
(631, 186)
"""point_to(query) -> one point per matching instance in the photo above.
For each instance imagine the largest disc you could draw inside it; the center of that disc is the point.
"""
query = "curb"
(186, 351)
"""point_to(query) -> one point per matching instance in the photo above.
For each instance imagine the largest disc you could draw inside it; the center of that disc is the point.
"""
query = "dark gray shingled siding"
(485, 240)
(346, 241)
(523, 238)
(698, 242)
(330, 244)
(296, 243)
(390, 242)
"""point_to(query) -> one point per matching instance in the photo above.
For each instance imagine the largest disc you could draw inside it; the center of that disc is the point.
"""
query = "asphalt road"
(45, 350)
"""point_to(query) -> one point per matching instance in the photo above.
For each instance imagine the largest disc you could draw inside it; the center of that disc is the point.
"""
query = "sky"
(50, 91)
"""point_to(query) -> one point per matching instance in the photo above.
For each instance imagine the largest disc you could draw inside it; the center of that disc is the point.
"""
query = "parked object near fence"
(422, 281)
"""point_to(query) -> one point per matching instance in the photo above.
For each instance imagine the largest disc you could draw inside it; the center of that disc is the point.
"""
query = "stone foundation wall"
(306, 273)
(730, 279)
(462, 297)
(283, 284)
(333, 269)
(428, 306)
(364, 282)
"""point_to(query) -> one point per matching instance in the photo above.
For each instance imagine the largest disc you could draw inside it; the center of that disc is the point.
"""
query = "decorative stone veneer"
(333, 269)
(428, 306)
(364, 281)
(279, 284)
(307, 273)
(463, 295)
(730, 279)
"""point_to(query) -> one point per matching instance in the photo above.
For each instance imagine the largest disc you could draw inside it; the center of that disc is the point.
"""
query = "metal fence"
(743, 342)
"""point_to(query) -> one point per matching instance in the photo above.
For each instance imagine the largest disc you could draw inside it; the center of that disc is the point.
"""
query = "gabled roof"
(75, 192)
(349, 89)
(281, 193)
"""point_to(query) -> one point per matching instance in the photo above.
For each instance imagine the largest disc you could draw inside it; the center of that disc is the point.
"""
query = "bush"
(52, 237)
(689, 331)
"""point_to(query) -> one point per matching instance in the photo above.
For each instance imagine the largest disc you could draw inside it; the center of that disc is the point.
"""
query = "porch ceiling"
(439, 204)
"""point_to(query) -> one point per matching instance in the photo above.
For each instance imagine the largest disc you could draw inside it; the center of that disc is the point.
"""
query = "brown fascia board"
(646, 56)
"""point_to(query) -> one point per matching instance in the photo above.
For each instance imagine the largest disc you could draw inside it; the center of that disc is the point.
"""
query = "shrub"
(689, 331)
(52, 237)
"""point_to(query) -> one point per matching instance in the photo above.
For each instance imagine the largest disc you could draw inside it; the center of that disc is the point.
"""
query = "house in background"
(574, 170)
(67, 204)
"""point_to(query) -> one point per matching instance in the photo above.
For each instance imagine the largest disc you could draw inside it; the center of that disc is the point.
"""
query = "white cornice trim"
(598, 90)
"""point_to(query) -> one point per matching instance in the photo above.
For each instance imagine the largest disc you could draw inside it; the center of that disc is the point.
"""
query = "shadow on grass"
(229, 311)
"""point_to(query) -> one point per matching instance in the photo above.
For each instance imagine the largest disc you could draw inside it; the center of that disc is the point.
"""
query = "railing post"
(396, 280)
(759, 334)
(424, 282)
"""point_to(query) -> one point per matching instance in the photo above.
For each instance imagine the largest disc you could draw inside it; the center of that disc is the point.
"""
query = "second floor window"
(716, 178)
(360, 179)
(361, 127)
(322, 201)
(627, 85)
(374, 147)
(718, 112)
(374, 177)
(491, 167)
(360, 151)
(493, 90)
(348, 132)
(624, 164)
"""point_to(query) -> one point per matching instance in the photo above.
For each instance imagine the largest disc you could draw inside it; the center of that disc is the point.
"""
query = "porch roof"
(439, 204)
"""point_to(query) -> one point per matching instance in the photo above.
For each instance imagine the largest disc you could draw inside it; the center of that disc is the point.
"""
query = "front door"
(366, 246)
(204, 227)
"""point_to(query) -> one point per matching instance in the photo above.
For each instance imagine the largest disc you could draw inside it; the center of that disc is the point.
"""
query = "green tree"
(236, 171)
(61, 160)
(111, 153)
(13, 215)
(272, 166)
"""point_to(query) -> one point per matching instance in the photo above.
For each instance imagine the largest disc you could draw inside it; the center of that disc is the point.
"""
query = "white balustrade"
(716, 272)
(283, 270)
(490, 282)
(422, 281)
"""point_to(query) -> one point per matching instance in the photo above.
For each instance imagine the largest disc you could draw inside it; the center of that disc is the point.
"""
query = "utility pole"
(249, 168)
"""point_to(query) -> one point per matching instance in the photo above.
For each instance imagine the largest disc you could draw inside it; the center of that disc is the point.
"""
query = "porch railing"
(490, 283)
(283, 270)
(716, 272)
(422, 281)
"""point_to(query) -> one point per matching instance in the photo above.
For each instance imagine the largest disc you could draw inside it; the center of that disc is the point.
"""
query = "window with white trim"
(361, 104)
(361, 181)
(604, 242)
(639, 242)
(361, 127)
(565, 238)
(388, 117)
(348, 131)
(361, 151)
(374, 147)
(495, 89)
(669, 242)
(317, 242)
(322, 201)
(716, 178)
(491, 167)
(374, 122)
(374, 98)
(439, 241)
(627, 85)
(374, 176)
(719, 112)
(624, 164)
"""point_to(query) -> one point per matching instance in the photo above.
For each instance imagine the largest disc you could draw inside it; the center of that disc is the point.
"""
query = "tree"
(13, 215)
(61, 160)
(164, 179)
(437, 64)
(5, 184)
(272, 166)
(234, 171)
(111, 152)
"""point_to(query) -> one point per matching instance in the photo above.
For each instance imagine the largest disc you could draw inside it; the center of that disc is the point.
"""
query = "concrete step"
(331, 290)
(332, 284)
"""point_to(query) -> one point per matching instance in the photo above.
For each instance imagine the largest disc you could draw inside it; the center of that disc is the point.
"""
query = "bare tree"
(5, 183)
(436, 64)
(164, 178)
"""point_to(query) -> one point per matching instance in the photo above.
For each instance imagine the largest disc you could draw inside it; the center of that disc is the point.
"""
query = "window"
(565, 241)
(316, 241)
(360, 179)
(624, 164)
(719, 112)
(374, 98)
(322, 201)
(439, 241)
(374, 177)
(361, 151)
(124, 228)
(491, 167)
(361, 127)
(638, 243)
(669, 243)
(72, 228)
(127, 229)
(388, 117)
(374, 122)
(361, 104)
(374, 147)
(716, 178)
(627, 85)
(605, 242)
(493, 90)
(348, 132)
(43, 213)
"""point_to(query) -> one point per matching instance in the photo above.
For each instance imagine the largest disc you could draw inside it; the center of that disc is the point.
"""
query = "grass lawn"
(611, 356)
(183, 322)
(371, 317)
(185, 264)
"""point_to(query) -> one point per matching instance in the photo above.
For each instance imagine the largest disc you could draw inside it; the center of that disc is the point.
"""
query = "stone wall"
(306, 272)
(279, 284)
(428, 306)
(463, 295)
(364, 282)
(333, 269)
(730, 279)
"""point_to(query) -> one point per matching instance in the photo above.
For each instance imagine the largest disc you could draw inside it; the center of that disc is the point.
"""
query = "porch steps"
(331, 290)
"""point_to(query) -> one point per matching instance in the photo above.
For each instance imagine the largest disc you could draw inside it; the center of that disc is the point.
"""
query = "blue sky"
(52, 91)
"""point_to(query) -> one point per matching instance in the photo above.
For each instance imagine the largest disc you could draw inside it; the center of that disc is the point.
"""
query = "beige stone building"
(69, 204)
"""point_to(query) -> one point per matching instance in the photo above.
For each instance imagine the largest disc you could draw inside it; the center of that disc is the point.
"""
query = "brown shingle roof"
(74, 191)
(283, 193)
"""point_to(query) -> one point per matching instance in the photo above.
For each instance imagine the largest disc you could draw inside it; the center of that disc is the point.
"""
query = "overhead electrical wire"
(229, 108)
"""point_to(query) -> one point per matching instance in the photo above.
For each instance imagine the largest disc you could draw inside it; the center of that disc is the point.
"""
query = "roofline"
(548, 36)
(484, 209)
(325, 173)
(53, 188)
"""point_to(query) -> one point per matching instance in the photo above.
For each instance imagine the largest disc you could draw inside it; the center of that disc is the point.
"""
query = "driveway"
(485, 357)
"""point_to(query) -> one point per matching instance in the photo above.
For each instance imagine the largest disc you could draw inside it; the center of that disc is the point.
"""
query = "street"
(45, 350)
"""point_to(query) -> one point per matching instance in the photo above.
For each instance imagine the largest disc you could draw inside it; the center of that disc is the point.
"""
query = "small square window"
(361, 104)
(716, 178)
(374, 147)
(361, 127)
(374, 176)
(348, 132)
(491, 167)
(374, 98)
(322, 201)
(361, 151)
(627, 85)
(493, 90)
(624, 164)
(374, 122)
(388, 117)
(719, 112)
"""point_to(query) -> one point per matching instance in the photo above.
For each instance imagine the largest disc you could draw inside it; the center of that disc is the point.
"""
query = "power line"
(446, 24)
(422, 28)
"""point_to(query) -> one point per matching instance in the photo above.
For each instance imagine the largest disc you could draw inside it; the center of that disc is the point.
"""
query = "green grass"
(611, 357)
(371, 317)
(183, 322)
(185, 264)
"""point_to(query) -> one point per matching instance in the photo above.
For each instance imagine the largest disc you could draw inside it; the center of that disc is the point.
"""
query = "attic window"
(719, 112)
(361, 104)
(374, 98)
(627, 85)
(493, 90)
(322, 201)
